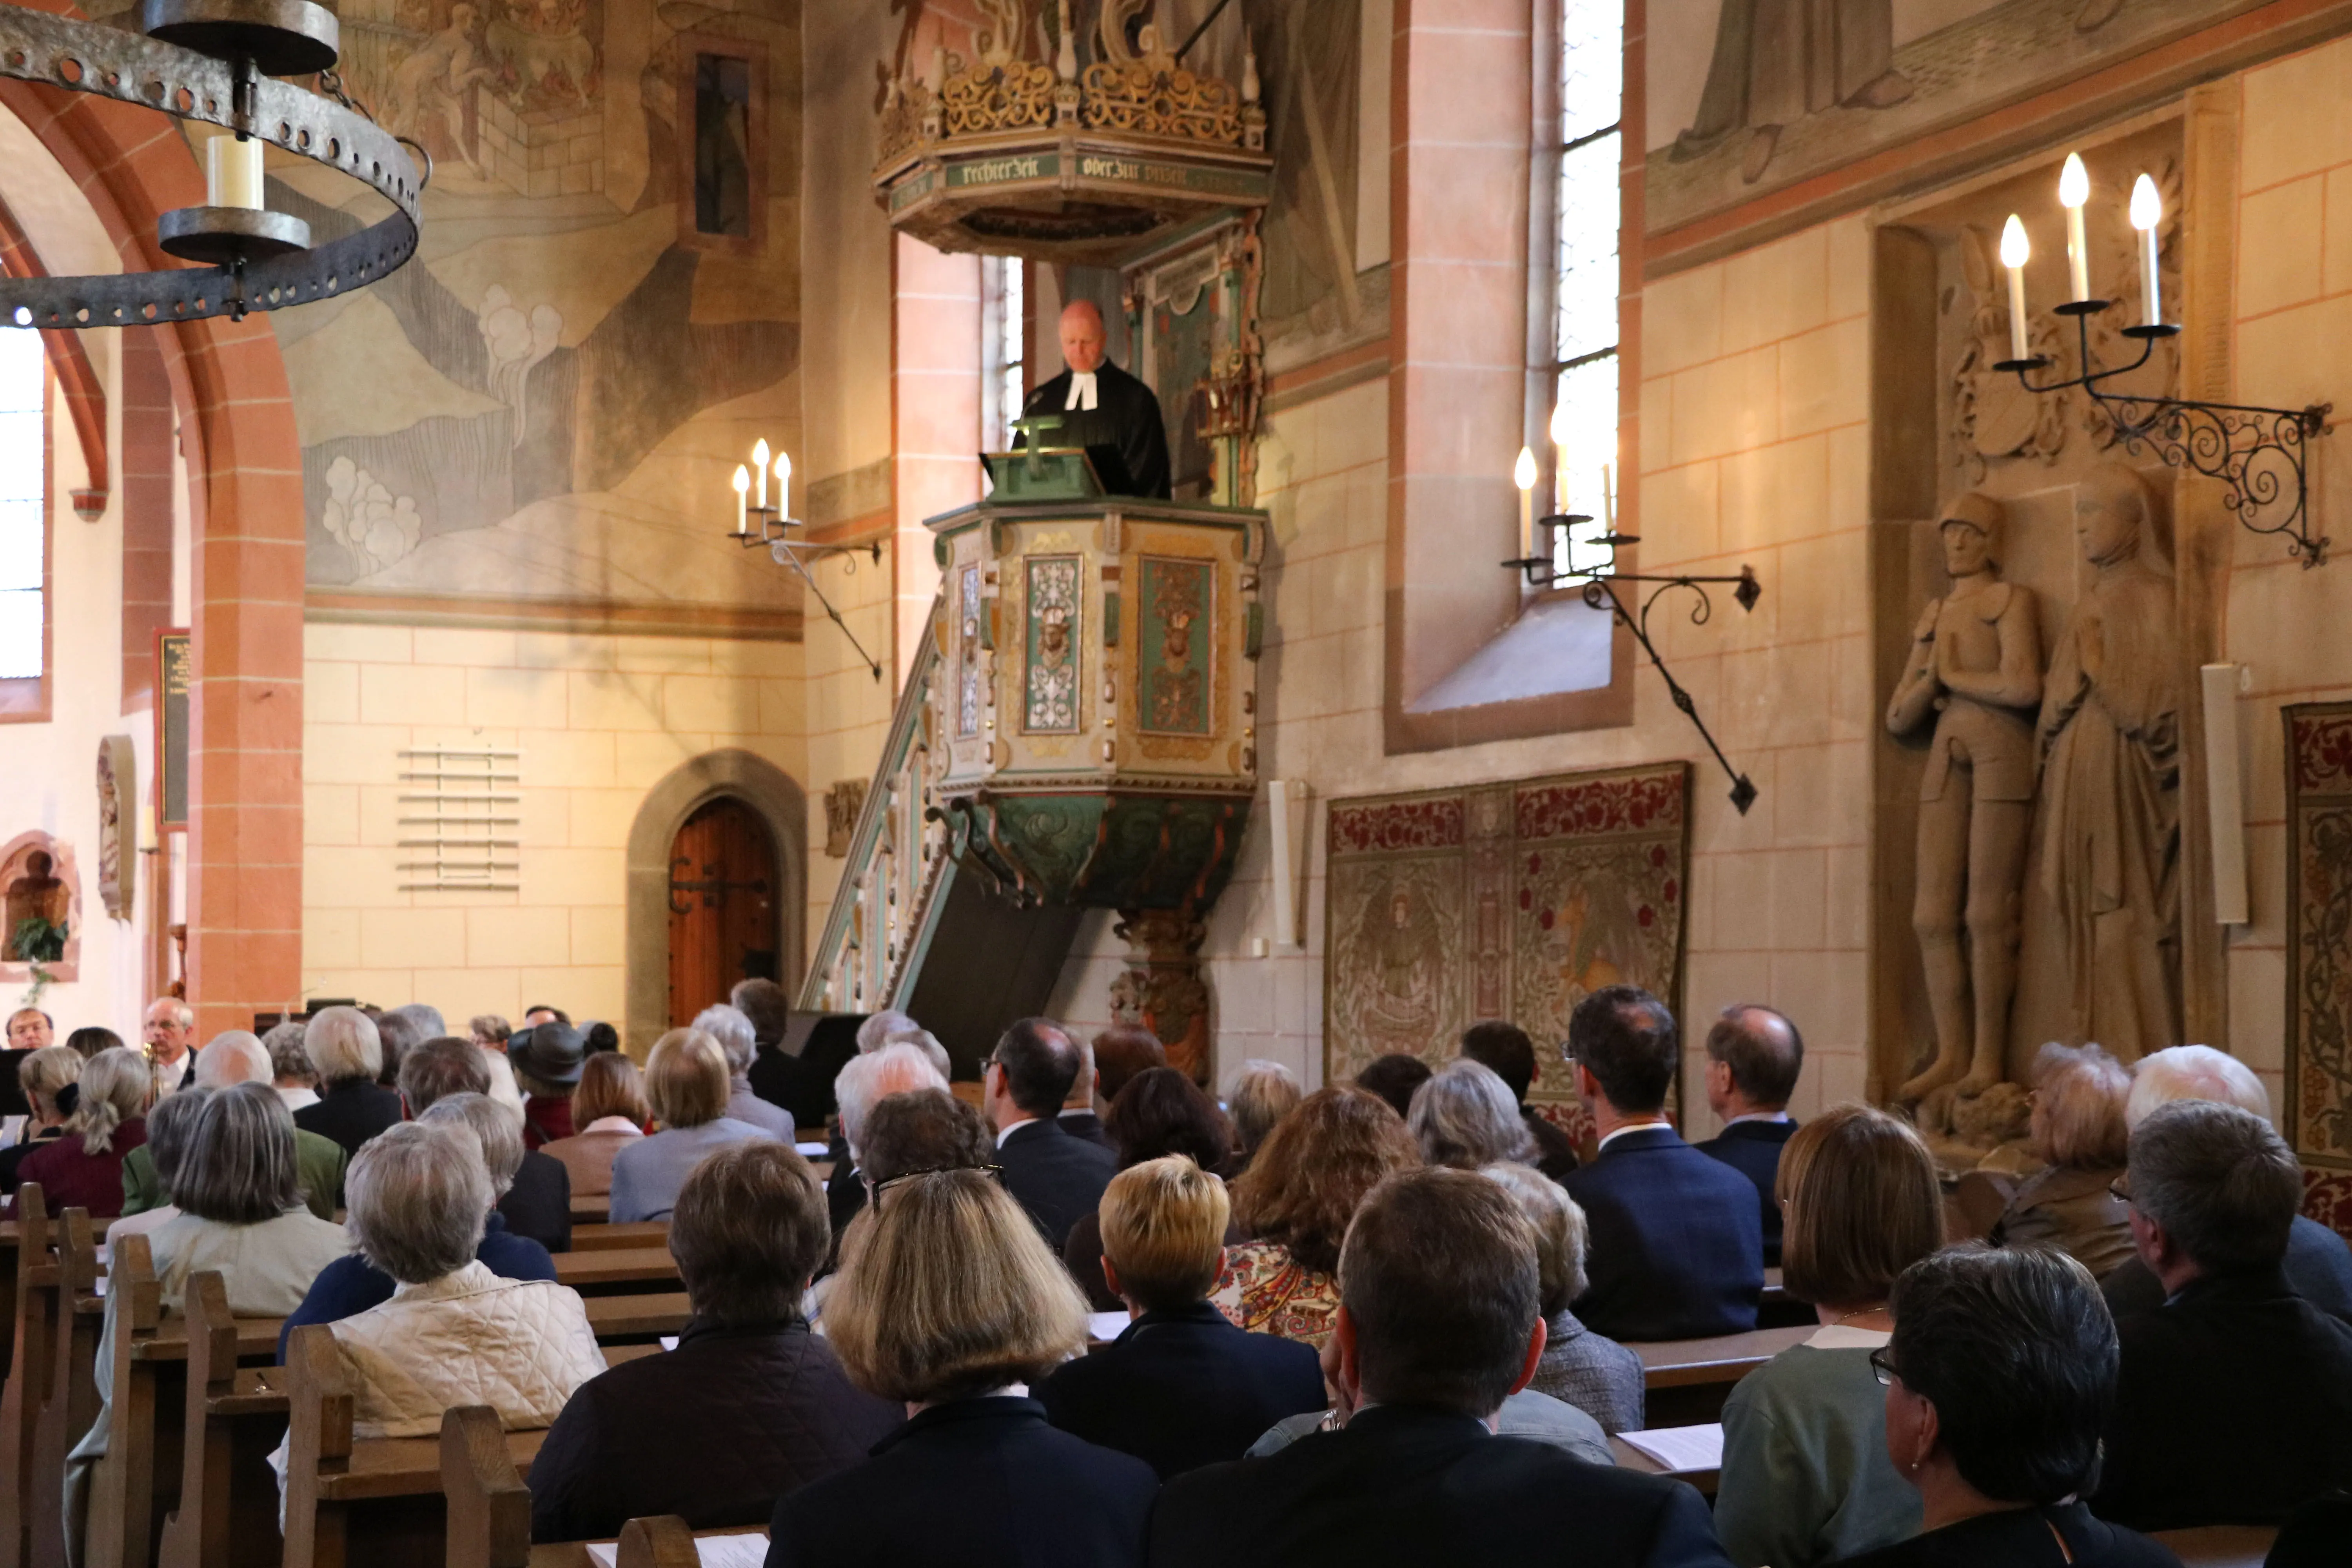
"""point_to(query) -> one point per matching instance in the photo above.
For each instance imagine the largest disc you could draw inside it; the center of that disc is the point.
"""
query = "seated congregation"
(1394, 1321)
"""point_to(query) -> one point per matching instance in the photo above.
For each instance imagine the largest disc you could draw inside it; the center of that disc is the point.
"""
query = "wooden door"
(722, 906)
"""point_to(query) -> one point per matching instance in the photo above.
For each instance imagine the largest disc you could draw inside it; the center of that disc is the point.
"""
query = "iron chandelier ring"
(107, 62)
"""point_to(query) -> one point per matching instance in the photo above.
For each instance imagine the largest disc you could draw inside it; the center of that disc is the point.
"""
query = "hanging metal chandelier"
(215, 61)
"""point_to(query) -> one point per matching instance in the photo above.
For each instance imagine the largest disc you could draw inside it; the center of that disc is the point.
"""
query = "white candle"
(742, 485)
(2014, 253)
(1523, 474)
(784, 486)
(759, 468)
(2147, 212)
(1559, 428)
(233, 172)
(2073, 190)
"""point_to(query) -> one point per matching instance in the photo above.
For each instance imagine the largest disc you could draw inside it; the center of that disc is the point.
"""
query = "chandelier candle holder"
(1541, 542)
(214, 61)
(774, 533)
(2260, 454)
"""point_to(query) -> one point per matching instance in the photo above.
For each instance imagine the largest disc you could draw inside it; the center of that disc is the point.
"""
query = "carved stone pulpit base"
(1161, 989)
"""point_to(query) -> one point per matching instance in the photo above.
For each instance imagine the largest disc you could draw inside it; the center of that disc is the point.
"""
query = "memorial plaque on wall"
(177, 672)
(1500, 901)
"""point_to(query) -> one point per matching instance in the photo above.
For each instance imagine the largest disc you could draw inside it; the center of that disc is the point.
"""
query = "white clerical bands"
(1082, 390)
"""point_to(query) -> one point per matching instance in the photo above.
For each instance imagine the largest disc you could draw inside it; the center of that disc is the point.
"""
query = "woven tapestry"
(2319, 932)
(1500, 901)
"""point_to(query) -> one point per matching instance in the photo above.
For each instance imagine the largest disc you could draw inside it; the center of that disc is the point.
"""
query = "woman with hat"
(547, 1065)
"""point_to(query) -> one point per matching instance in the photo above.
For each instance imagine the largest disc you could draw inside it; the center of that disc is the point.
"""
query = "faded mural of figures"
(429, 88)
(1778, 61)
(1974, 680)
(2110, 737)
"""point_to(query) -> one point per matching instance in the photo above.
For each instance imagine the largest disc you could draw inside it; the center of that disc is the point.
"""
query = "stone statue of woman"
(2110, 744)
(1976, 670)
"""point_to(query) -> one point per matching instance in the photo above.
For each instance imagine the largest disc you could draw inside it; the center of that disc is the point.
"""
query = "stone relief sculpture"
(2110, 744)
(1975, 676)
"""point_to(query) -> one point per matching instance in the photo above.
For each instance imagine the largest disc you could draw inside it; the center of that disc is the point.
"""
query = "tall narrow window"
(24, 504)
(1584, 334)
(1004, 349)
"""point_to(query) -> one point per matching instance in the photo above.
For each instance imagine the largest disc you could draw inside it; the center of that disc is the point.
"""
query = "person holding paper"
(1805, 1477)
(1439, 1323)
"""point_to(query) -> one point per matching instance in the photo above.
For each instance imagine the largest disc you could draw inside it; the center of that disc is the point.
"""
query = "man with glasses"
(1055, 1175)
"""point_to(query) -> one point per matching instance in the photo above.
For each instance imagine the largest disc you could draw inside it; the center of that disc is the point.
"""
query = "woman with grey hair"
(354, 1285)
(48, 1078)
(347, 1054)
(1590, 1371)
(149, 1205)
(419, 1196)
(1466, 1117)
(296, 1080)
(241, 1215)
(2079, 1094)
(731, 1027)
(83, 1168)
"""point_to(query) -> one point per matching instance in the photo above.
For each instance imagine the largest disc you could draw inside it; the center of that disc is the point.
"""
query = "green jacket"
(317, 1165)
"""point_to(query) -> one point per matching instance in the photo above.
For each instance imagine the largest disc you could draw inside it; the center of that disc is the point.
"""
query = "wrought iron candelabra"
(2258, 453)
(1600, 592)
(759, 525)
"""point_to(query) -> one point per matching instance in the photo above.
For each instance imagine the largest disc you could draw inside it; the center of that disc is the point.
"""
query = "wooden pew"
(29, 1372)
(2220, 1545)
(488, 1505)
(138, 1485)
(663, 1541)
(1689, 1380)
(72, 1406)
(621, 1271)
(590, 1210)
(226, 1513)
(638, 1235)
(618, 1319)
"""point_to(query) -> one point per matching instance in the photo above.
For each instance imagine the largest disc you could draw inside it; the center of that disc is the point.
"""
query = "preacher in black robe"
(1125, 417)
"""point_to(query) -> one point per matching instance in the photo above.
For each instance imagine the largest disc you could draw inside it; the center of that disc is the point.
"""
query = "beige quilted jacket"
(520, 1347)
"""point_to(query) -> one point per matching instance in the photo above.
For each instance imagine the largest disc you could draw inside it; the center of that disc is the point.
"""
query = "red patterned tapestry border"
(1385, 827)
(2318, 1120)
(1634, 803)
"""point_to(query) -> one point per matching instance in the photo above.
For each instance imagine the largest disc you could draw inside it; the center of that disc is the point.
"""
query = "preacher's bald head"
(1083, 336)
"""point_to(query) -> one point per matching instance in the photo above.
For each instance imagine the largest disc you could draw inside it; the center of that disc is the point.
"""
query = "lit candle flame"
(1560, 424)
(743, 478)
(2015, 249)
(2147, 206)
(1523, 472)
(2073, 182)
(759, 453)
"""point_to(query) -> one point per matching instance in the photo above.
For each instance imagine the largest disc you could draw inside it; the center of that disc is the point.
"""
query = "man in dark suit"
(2233, 1405)
(1676, 1245)
(1100, 405)
(1438, 1324)
(1056, 1176)
(1505, 1048)
(1182, 1386)
(1753, 1056)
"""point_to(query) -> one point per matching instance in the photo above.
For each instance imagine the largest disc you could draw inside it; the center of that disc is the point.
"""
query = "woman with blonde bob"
(45, 1075)
(687, 1083)
(949, 1300)
(2078, 1126)
(83, 1168)
(1805, 1477)
(610, 1109)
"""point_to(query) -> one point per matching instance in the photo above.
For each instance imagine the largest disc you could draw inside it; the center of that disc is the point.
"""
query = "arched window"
(23, 520)
(1590, 81)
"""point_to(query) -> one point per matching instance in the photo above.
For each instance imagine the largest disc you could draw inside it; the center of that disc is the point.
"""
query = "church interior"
(1294, 527)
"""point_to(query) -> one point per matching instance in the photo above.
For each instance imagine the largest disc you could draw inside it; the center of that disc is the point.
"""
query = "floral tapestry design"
(1174, 657)
(1512, 900)
(2319, 932)
(1050, 704)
